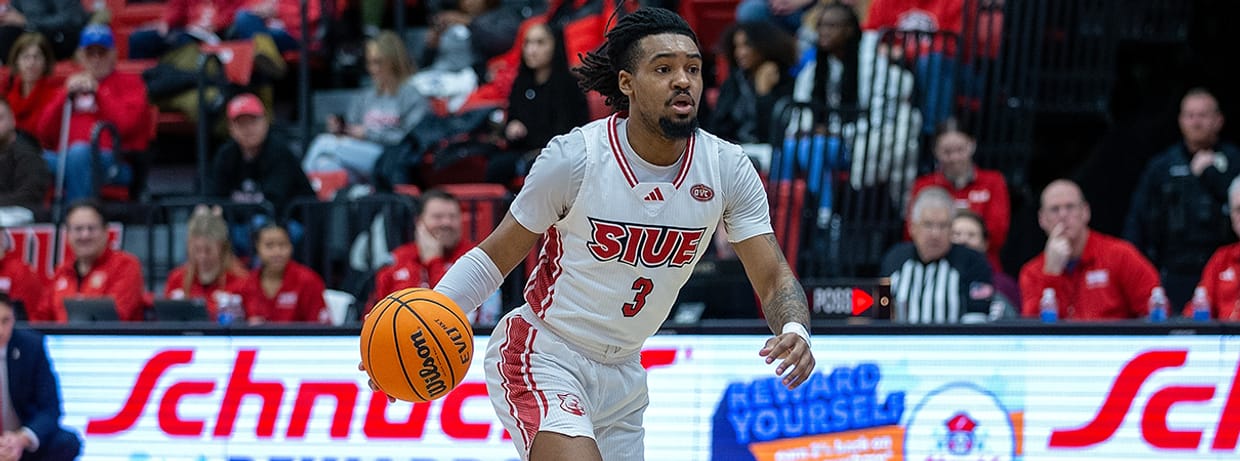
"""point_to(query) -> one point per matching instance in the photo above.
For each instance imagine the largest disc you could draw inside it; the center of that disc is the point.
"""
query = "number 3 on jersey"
(643, 286)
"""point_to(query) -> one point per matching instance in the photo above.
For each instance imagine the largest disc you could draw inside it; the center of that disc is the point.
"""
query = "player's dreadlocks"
(600, 68)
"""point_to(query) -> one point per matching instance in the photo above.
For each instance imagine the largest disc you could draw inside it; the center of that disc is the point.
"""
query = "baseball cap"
(245, 104)
(96, 35)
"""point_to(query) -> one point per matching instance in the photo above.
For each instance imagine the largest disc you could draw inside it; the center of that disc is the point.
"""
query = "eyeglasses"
(85, 229)
(1068, 207)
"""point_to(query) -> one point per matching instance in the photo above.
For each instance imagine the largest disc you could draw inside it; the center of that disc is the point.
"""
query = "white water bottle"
(1049, 307)
(1201, 305)
(1158, 305)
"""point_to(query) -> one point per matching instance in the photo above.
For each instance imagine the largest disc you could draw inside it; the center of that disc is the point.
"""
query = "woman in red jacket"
(30, 85)
(281, 290)
(211, 270)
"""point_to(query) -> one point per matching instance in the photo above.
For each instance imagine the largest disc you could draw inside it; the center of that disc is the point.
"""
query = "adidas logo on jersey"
(655, 195)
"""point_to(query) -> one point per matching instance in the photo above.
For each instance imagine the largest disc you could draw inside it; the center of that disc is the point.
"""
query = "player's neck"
(652, 146)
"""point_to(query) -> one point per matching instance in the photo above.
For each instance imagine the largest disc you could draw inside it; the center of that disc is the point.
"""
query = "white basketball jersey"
(610, 269)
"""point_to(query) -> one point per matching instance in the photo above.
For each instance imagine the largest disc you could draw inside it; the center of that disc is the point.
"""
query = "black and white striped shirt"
(939, 291)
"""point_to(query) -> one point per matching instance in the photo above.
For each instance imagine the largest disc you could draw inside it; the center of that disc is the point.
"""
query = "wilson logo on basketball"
(430, 370)
(651, 246)
(702, 192)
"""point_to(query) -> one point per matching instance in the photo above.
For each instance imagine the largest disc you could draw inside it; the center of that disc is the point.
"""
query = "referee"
(932, 279)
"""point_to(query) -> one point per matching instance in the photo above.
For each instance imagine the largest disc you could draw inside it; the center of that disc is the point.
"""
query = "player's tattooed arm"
(785, 306)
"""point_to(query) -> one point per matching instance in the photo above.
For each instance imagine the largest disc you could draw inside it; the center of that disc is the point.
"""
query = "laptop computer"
(91, 310)
(180, 310)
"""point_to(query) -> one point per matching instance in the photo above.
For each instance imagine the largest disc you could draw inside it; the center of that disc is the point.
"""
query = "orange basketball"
(416, 345)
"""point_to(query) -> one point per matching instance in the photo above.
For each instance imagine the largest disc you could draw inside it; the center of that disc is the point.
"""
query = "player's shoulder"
(726, 150)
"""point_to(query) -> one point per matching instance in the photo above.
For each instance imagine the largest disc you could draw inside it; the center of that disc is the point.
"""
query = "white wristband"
(794, 327)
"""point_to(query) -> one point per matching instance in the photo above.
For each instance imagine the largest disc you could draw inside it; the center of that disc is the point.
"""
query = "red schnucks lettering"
(136, 402)
(1229, 421)
(1118, 400)
(346, 399)
(1154, 420)
(271, 393)
(453, 425)
(239, 386)
(377, 425)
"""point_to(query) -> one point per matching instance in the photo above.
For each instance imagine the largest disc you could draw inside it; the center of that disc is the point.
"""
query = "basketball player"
(626, 206)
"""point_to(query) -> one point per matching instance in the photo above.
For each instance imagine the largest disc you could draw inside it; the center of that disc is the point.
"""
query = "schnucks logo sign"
(917, 398)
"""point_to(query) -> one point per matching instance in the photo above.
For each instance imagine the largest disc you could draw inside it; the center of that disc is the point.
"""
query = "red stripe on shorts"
(520, 391)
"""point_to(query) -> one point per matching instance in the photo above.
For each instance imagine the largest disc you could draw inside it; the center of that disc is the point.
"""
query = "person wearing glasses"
(932, 279)
(94, 269)
(1095, 276)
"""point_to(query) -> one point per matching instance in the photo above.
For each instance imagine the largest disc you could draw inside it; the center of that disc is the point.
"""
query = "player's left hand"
(795, 355)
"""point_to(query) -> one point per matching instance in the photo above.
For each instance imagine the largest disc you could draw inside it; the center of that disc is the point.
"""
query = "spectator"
(843, 75)
(932, 279)
(59, 20)
(785, 14)
(1219, 277)
(279, 19)
(378, 118)
(100, 94)
(96, 269)
(1176, 217)
(30, 85)
(760, 57)
(32, 429)
(982, 191)
(23, 173)
(211, 268)
(935, 60)
(437, 245)
(545, 102)
(969, 230)
(280, 290)
(184, 22)
(254, 166)
(17, 281)
(1095, 276)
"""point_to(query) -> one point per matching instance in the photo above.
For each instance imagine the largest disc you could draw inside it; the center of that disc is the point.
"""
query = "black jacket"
(1177, 219)
(24, 177)
(275, 173)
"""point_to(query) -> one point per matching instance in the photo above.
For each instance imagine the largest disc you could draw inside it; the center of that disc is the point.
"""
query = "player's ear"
(625, 79)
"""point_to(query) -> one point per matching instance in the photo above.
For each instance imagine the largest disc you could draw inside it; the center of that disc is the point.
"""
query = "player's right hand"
(1057, 252)
(795, 353)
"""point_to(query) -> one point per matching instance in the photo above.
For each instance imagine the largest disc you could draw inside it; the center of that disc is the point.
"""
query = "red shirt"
(229, 281)
(116, 274)
(179, 14)
(1111, 280)
(299, 299)
(29, 108)
(407, 270)
(986, 195)
(1221, 279)
(21, 283)
(121, 98)
(931, 15)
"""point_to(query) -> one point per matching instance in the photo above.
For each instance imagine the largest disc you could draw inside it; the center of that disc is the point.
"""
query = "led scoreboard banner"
(984, 397)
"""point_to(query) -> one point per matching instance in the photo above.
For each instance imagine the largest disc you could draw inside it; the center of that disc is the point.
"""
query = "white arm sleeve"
(471, 280)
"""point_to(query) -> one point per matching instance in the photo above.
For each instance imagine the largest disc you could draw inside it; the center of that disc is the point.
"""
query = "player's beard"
(678, 129)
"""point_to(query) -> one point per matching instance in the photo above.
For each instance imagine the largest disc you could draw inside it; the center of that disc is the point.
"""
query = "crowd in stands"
(486, 82)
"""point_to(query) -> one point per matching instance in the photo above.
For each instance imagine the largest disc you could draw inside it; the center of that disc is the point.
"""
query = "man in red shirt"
(436, 246)
(17, 280)
(98, 93)
(1095, 276)
(96, 270)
